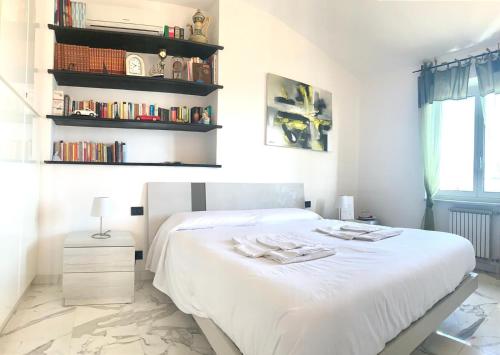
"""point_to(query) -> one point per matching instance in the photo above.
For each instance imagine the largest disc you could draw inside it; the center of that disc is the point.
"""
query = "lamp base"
(104, 235)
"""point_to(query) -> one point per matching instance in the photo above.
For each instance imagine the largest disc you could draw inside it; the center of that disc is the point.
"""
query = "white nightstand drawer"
(98, 288)
(98, 259)
(98, 271)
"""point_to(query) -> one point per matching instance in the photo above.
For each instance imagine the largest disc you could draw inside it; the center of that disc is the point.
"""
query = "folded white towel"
(279, 248)
(379, 235)
(348, 233)
(361, 228)
(278, 241)
(285, 257)
(335, 232)
(252, 250)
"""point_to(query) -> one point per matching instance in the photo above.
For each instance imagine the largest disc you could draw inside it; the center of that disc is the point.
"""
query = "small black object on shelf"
(133, 42)
(128, 82)
(174, 164)
(83, 121)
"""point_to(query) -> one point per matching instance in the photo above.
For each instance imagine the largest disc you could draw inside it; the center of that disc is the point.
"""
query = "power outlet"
(138, 255)
(307, 204)
(137, 211)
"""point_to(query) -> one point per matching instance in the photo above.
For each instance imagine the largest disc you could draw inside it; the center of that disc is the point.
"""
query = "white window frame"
(478, 195)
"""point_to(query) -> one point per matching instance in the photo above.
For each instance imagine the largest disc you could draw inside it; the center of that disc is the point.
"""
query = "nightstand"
(98, 271)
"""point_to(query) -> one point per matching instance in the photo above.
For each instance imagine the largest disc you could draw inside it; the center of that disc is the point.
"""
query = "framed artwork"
(298, 115)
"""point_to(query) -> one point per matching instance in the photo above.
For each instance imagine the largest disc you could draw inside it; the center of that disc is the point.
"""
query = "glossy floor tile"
(475, 324)
(153, 325)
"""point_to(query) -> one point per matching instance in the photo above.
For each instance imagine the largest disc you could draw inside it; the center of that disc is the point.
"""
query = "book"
(66, 108)
(202, 73)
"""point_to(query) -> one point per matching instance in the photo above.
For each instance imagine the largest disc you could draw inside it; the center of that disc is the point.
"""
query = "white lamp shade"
(346, 207)
(101, 207)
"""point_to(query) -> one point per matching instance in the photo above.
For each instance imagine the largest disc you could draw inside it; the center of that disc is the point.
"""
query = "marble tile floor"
(153, 325)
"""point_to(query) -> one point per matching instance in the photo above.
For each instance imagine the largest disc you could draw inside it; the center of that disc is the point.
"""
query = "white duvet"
(349, 303)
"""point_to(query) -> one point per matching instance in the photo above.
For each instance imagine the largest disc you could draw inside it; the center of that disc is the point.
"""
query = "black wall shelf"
(185, 165)
(78, 121)
(133, 42)
(128, 82)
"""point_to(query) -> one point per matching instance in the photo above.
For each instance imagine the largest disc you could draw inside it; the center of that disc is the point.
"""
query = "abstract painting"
(298, 115)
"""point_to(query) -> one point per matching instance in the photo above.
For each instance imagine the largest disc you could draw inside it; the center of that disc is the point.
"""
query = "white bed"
(353, 302)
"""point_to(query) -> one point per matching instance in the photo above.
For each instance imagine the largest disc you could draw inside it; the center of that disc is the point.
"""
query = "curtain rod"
(459, 60)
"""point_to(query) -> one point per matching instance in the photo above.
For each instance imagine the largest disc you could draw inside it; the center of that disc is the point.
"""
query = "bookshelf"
(133, 42)
(128, 82)
(136, 43)
(76, 121)
(185, 165)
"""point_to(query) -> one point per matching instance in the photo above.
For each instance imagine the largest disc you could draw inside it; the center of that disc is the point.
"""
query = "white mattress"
(349, 303)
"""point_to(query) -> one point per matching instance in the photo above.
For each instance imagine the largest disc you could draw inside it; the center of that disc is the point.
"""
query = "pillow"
(211, 219)
(277, 215)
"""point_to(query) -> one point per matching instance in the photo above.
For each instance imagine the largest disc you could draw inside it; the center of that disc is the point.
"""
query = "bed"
(369, 298)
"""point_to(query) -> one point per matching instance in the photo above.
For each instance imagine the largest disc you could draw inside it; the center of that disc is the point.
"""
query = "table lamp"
(345, 206)
(101, 207)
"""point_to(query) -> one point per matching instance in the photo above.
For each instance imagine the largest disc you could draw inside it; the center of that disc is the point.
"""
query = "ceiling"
(362, 34)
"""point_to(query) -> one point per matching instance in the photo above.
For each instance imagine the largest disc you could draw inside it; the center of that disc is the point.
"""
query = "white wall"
(255, 43)
(390, 170)
(19, 169)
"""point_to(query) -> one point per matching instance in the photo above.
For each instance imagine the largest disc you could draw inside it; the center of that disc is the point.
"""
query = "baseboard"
(13, 310)
(144, 275)
(489, 266)
(47, 279)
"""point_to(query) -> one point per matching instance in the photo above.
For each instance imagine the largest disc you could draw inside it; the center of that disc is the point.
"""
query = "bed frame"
(166, 198)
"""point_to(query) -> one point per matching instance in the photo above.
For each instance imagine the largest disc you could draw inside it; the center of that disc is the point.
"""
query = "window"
(491, 143)
(470, 148)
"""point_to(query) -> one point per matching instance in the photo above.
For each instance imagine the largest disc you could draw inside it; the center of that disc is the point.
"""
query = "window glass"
(457, 145)
(491, 105)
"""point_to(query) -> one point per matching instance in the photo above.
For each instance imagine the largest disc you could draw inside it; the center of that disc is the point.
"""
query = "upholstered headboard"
(166, 198)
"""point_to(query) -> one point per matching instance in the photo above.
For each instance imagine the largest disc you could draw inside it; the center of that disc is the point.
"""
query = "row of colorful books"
(87, 59)
(173, 32)
(89, 152)
(70, 13)
(131, 111)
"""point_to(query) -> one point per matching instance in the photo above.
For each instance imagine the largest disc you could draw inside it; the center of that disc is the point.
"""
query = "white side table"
(98, 271)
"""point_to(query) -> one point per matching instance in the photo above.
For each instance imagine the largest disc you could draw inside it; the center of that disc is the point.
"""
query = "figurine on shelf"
(205, 117)
(177, 68)
(158, 70)
(200, 29)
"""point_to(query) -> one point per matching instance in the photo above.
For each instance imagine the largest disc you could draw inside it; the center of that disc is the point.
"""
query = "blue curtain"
(433, 87)
(488, 75)
(439, 85)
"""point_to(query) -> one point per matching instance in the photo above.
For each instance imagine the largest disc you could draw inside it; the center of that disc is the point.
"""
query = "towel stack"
(284, 249)
(360, 231)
